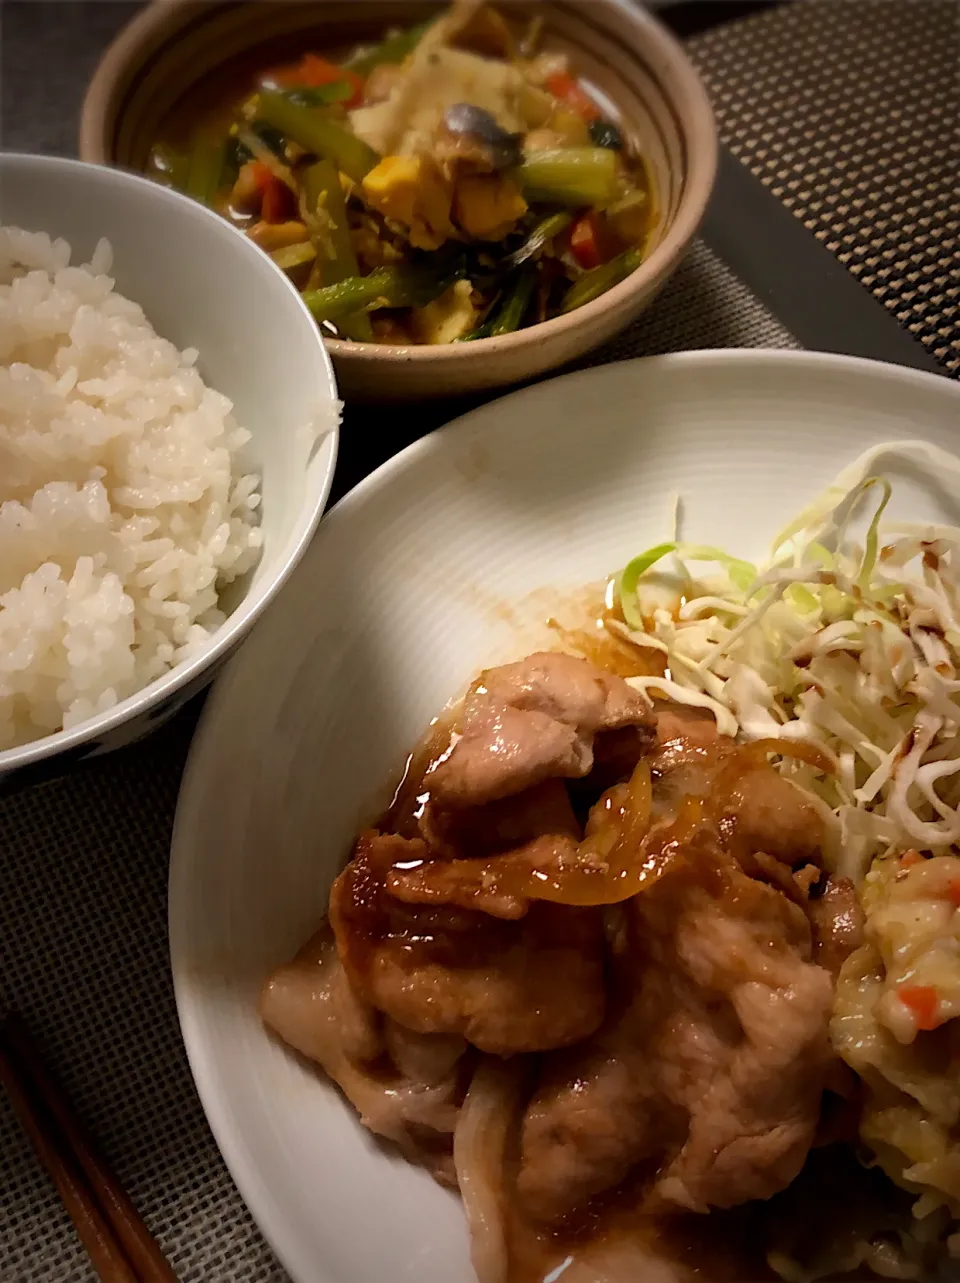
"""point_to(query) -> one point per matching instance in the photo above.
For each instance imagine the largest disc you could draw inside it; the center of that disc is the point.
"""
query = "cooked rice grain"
(122, 509)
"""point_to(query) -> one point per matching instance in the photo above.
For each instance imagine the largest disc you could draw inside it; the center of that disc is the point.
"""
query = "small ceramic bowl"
(176, 46)
(204, 285)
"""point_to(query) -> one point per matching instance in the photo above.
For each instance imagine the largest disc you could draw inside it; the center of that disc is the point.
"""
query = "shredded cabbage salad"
(848, 643)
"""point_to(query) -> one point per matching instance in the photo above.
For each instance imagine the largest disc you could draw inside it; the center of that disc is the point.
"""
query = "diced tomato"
(910, 858)
(277, 201)
(312, 72)
(592, 240)
(257, 182)
(585, 241)
(560, 83)
(318, 71)
(922, 1002)
(563, 87)
(261, 174)
(356, 98)
(321, 71)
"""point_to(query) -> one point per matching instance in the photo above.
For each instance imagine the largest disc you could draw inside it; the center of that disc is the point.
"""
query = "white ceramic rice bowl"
(203, 285)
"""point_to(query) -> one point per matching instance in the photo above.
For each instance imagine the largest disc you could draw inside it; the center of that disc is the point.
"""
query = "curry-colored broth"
(210, 103)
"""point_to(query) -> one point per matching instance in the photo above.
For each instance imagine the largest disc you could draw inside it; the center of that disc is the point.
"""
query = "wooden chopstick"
(119, 1244)
(94, 1233)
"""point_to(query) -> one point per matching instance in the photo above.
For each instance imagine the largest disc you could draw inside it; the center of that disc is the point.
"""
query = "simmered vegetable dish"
(454, 182)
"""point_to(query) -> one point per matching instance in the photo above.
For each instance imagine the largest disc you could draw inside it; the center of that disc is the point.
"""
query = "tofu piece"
(447, 318)
(488, 205)
(413, 191)
(391, 187)
(407, 121)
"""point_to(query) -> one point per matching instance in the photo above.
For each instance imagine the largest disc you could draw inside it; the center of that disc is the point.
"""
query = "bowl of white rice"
(168, 434)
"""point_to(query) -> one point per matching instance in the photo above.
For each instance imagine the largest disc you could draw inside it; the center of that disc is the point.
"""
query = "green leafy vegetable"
(317, 133)
(870, 546)
(515, 302)
(267, 156)
(325, 212)
(204, 169)
(742, 573)
(630, 578)
(600, 279)
(838, 646)
(574, 176)
(401, 286)
(543, 231)
(319, 95)
(484, 329)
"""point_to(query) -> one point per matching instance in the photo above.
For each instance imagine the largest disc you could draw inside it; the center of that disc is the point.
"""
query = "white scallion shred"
(850, 646)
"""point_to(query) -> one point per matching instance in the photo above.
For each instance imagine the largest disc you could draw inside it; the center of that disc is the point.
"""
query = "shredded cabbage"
(851, 646)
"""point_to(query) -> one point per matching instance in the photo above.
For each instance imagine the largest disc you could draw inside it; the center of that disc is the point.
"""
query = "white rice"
(123, 510)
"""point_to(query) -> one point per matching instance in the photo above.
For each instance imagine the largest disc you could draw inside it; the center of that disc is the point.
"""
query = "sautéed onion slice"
(484, 1127)
(613, 863)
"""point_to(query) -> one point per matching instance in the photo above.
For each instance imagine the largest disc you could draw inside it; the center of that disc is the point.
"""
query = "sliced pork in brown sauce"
(474, 884)
(756, 809)
(505, 986)
(531, 721)
(765, 812)
(712, 1071)
(493, 828)
(311, 1005)
(620, 914)
(837, 919)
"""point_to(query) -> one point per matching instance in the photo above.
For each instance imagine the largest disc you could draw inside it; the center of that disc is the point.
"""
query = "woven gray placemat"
(83, 952)
(848, 111)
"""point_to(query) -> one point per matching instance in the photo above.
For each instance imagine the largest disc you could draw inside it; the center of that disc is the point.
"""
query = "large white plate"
(416, 580)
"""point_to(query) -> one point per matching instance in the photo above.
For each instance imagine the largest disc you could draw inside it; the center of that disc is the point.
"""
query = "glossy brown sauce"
(594, 642)
(602, 645)
(607, 650)
(412, 791)
(832, 1203)
(614, 1244)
